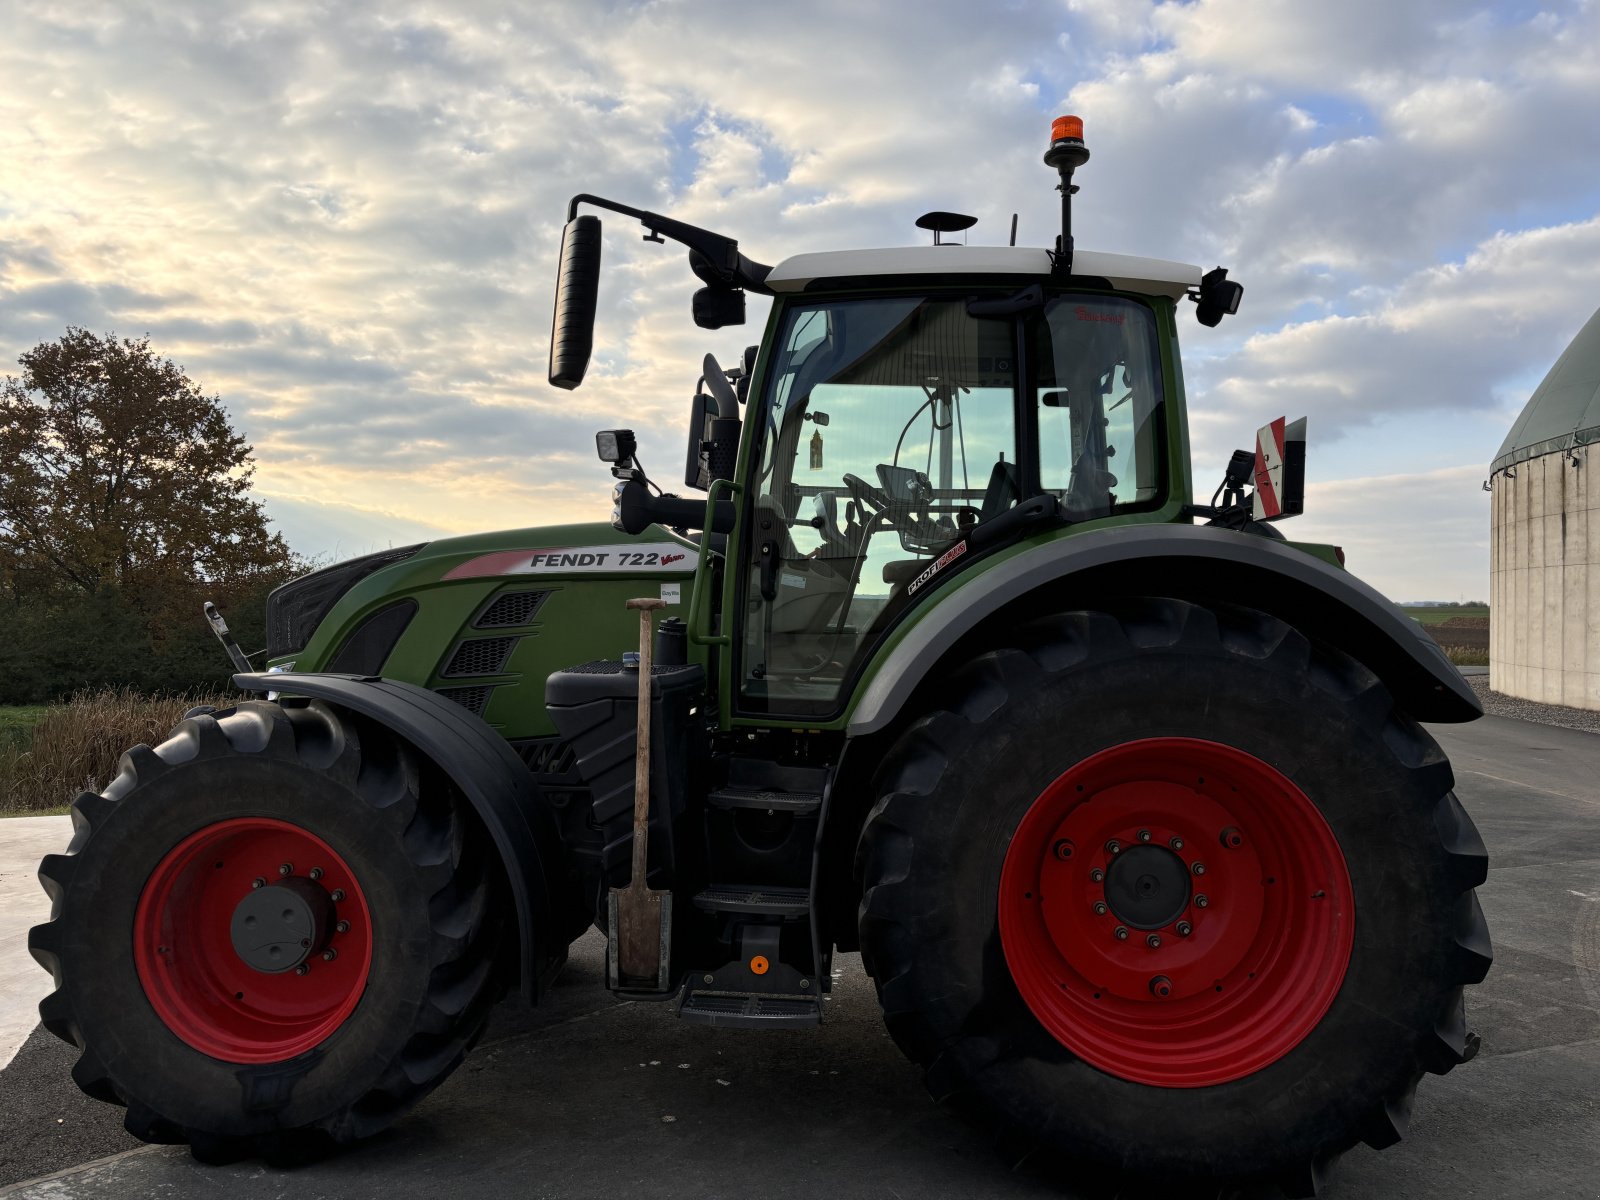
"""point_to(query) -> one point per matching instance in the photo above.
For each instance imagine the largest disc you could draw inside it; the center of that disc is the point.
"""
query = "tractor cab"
(911, 412)
(898, 436)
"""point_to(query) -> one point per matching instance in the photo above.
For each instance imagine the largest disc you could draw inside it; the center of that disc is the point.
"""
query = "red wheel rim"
(1208, 981)
(192, 973)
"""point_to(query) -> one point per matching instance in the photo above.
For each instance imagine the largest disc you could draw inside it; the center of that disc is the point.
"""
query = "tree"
(118, 472)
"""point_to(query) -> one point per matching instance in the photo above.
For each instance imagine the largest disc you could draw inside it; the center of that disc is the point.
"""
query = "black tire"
(427, 874)
(956, 785)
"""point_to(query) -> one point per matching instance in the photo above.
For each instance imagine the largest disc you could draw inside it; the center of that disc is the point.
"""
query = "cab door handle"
(769, 569)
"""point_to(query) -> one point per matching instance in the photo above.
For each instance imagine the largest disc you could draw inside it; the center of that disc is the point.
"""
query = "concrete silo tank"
(1544, 540)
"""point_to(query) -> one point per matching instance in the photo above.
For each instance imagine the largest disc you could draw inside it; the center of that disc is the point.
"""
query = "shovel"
(641, 916)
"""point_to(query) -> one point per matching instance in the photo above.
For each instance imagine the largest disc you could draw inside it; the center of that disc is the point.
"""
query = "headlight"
(296, 609)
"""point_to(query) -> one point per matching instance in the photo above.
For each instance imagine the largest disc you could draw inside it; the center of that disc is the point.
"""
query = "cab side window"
(1098, 388)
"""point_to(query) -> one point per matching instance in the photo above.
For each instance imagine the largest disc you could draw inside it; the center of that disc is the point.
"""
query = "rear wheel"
(272, 934)
(1174, 893)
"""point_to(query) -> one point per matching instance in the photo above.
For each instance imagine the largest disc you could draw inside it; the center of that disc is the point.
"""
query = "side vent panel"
(479, 656)
(473, 699)
(510, 610)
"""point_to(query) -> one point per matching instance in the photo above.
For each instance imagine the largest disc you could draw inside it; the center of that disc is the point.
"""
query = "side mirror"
(715, 307)
(1219, 297)
(577, 289)
(616, 445)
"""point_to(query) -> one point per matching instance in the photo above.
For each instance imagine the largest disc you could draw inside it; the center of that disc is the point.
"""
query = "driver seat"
(1004, 490)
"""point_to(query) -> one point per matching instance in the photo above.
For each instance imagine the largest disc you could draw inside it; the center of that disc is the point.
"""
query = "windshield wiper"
(1028, 298)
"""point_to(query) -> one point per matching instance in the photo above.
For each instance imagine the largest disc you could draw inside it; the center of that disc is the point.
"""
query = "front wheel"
(1176, 894)
(272, 934)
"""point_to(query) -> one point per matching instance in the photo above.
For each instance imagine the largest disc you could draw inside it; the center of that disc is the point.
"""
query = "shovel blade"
(640, 928)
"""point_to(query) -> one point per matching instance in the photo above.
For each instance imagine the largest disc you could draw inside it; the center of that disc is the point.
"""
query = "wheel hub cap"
(277, 928)
(1147, 887)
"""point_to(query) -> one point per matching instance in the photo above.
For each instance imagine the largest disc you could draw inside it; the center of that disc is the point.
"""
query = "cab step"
(759, 902)
(801, 804)
(749, 1009)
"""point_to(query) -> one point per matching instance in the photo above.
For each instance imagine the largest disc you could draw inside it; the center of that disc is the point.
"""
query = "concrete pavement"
(585, 1096)
(23, 904)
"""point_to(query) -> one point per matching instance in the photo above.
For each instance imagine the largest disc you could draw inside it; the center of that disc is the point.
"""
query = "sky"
(343, 219)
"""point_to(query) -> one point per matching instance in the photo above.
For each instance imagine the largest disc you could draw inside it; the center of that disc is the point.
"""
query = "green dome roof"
(1564, 410)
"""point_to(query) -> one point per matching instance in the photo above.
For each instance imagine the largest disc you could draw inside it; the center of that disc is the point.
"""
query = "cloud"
(344, 218)
(1417, 535)
(1437, 349)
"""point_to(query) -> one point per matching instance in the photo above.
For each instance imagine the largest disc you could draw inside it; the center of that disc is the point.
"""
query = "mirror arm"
(722, 253)
(634, 510)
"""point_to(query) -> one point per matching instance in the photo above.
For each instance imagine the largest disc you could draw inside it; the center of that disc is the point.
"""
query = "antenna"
(1066, 154)
(945, 222)
(1013, 229)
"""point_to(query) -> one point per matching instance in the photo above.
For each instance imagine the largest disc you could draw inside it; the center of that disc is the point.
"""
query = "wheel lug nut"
(342, 927)
(1144, 835)
(1201, 900)
(329, 954)
(1153, 941)
(1176, 843)
(1231, 838)
(1063, 850)
(286, 869)
(1113, 847)
(1096, 875)
(1161, 987)
(315, 872)
(257, 883)
(1099, 908)
(338, 895)
(1199, 868)
(1120, 933)
(1184, 929)
(303, 969)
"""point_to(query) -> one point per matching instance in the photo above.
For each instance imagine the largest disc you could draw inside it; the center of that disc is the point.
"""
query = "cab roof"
(1126, 272)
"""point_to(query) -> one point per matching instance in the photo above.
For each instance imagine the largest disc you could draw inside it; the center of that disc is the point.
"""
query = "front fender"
(1186, 562)
(491, 776)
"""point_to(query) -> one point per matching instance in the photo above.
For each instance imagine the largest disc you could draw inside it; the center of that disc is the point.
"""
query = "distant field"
(1462, 632)
(1437, 616)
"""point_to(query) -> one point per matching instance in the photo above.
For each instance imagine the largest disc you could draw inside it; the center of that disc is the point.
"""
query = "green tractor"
(1123, 798)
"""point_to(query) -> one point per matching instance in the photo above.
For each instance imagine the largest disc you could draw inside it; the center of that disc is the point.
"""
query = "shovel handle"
(641, 763)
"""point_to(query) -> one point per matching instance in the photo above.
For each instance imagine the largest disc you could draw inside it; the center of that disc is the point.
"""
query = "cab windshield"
(891, 428)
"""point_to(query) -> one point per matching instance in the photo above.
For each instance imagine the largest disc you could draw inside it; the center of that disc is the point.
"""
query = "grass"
(1438, 616)
(49, 756)
(17, 721)
(1467, 656)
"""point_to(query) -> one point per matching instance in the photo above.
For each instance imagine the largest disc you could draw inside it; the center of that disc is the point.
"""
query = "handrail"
(699, 617)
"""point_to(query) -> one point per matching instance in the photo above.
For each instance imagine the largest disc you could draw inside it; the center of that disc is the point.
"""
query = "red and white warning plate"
(1272, 498)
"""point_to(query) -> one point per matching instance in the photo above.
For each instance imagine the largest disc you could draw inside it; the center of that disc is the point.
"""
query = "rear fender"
(1202, 564)
(492, 778)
